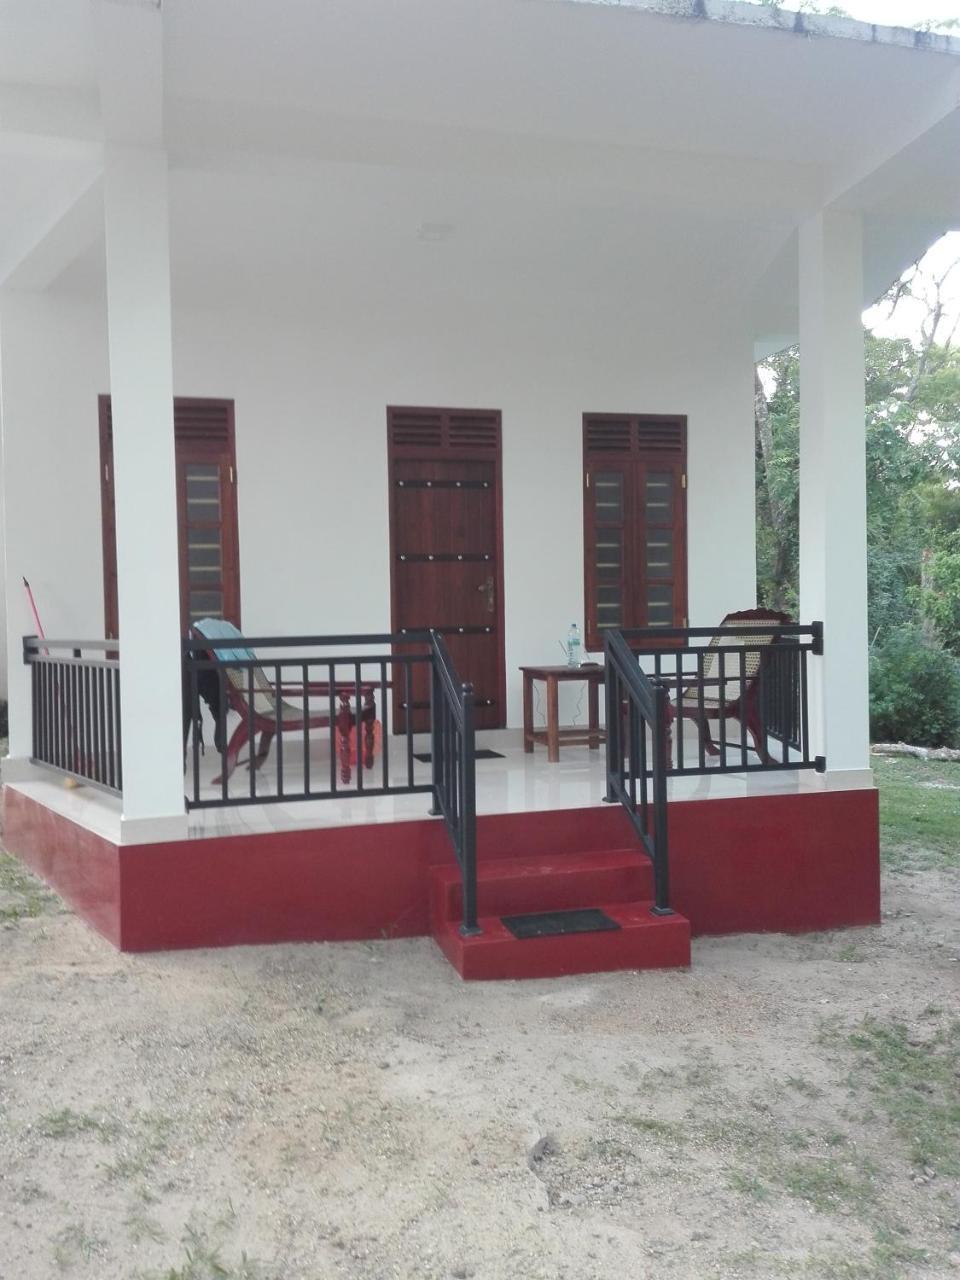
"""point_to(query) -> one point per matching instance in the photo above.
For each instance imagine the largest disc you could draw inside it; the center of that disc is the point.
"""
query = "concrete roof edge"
(775, 18)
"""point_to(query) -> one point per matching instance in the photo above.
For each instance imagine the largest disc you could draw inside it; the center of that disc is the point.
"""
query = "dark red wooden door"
(446, 555)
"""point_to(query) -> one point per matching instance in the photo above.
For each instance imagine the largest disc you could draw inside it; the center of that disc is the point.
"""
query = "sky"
(892, 13)
(905, 321)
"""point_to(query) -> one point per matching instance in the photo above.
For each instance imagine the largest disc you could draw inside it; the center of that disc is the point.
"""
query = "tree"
(913, 466)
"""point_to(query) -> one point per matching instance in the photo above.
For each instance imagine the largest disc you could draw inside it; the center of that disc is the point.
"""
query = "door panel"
(447, 573)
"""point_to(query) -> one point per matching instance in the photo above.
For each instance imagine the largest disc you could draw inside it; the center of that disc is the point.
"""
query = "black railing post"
(661, 861)
(612, 725)
(436, 710)
(468, 816)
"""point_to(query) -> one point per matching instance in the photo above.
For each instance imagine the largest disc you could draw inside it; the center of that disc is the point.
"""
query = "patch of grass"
(148, 1142)
(67, 1123)
(203, 1246)
(916, 1086)
(22, 895)
(919, 808)
(850, 953)
(804, 1087)
(74, 1243)
(666, 1129)
(140, 1226)
(827, 1185)
(748, 1184)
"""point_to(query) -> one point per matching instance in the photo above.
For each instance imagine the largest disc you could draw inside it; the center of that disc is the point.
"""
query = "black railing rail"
(75, 707)
(638, 725)
(698, 665)
(294, 692)
(453, 753)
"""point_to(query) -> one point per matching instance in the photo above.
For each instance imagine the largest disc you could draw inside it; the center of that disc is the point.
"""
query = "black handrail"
(635, 705)
(453, 752)
(75, 709)
(772, 704)
(293, 691)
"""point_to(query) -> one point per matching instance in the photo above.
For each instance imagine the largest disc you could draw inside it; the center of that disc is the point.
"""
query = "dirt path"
(789, 1107)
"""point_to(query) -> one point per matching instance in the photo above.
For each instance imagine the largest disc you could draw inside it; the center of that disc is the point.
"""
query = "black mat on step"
(547, 924)
(481, 753)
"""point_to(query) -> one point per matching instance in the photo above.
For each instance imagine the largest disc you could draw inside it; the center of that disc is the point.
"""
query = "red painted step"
(619, 882)
(643, 941)
(515, 886)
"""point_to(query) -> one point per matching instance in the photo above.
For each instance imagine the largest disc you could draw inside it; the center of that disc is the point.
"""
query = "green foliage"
(914, 692)
(940, 598)
(913, 519)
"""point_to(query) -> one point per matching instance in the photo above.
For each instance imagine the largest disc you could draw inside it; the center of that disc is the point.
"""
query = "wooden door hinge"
(588, 479)
(683, 480)
(232, 477)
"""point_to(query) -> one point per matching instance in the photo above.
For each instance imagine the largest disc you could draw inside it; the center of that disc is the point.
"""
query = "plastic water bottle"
(573, 646)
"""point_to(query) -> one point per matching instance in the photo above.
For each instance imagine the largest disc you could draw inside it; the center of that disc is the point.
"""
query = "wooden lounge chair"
(739, 699)
(268, 704)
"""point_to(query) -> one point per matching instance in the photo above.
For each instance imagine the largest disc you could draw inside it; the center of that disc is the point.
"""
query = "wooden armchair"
(739, 696)
(261, 712)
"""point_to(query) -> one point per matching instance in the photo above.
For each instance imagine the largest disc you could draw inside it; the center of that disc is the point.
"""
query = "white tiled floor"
(518, 783)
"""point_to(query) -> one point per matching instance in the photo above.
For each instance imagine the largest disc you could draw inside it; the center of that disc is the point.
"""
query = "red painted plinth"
(783, 863)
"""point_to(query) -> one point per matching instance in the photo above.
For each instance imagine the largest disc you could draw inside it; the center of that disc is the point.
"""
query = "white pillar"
(141, 387)
(833, 508)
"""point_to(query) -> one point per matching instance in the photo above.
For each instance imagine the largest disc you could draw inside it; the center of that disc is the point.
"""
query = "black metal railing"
(453, 754)
(294, 693)
(75, 707)
(753, 674)
(297, 692)
(637, 725)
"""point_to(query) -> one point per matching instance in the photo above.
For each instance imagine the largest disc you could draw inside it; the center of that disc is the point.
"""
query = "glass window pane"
(206, 604)
(659, 497)
(609, 607)
(659, 606)
(608, 496)
(609, 560)
(659, 554)
(203, 491)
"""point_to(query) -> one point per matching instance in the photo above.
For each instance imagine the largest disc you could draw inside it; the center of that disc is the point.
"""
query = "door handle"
(488, 588)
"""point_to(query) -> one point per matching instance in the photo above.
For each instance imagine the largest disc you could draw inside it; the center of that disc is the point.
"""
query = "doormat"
(548, 924)
(482, 753)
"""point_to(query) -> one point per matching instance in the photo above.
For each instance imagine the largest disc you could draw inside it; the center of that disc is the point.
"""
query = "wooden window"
(635, 570)
(206, 512)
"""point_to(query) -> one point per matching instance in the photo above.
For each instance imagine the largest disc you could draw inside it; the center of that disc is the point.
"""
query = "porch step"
(617, 883)
(643, 941)
(519, 886)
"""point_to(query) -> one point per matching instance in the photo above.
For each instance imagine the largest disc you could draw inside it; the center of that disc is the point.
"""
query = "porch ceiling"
(579, 149)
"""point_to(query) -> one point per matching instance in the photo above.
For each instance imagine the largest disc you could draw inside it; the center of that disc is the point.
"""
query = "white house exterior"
(547, 208)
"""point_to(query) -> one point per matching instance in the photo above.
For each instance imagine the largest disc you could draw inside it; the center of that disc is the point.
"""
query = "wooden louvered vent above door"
(635, 555)
(432, 432)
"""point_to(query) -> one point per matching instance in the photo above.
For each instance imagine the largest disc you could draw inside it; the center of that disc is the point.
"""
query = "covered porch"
(310, 278)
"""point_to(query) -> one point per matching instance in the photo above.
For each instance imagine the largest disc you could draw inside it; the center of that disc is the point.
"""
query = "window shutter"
(206, 511)
(634, 522)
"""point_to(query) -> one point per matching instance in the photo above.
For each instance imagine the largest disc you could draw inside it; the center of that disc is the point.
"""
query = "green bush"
(914, 692)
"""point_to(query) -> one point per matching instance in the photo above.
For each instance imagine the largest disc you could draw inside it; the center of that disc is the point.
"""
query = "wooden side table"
(552, 734)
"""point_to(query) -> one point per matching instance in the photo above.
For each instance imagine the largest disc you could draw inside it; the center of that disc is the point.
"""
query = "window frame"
(192, 445)
(633, 445)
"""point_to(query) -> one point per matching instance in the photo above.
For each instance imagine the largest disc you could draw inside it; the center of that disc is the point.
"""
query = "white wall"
(311, 451)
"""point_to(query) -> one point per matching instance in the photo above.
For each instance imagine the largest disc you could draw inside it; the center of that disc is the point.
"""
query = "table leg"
(553, 721)
(369, 720)
(593, 704)
(527, 713)
(345, 723)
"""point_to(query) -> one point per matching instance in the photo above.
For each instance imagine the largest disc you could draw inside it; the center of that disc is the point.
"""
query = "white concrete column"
(833, 530)
(141, 387)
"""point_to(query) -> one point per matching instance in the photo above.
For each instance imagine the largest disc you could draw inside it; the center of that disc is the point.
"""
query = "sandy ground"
(789, 1107)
